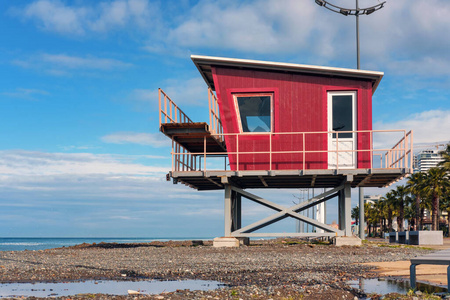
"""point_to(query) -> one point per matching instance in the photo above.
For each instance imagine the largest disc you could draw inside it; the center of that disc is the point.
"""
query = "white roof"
(204, 64)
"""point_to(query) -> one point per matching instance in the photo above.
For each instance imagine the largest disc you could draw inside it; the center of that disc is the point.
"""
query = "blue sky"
(80, 151)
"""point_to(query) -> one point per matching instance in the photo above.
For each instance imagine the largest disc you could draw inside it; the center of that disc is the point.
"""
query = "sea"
(42, 243)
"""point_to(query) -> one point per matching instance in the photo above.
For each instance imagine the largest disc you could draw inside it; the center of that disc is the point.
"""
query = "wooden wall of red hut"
(300, 105)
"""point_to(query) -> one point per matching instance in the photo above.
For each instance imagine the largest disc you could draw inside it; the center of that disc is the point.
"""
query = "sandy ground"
(432, 274)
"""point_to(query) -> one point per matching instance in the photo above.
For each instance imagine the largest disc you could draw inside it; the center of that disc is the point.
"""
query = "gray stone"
(347, 241)
(226, 242)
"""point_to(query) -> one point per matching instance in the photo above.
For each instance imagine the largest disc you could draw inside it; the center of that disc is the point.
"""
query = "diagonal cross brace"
(318, 199)
(282, 215)
(284, 212)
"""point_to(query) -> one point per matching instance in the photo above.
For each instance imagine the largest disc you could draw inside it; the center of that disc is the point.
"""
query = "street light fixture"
(352, 12)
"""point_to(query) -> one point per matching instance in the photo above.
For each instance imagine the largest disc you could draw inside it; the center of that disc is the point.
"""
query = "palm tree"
(389, 200)
(410, 215)
(382, 213)
(400, 194)
(445, 164)
(415, 186)
(437, 182)
(445, 206)
(384, 205)
(369, 216)
(355, 214)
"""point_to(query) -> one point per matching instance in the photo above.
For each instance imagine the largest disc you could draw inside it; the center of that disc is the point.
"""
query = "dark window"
(255, 112)
(343, 115)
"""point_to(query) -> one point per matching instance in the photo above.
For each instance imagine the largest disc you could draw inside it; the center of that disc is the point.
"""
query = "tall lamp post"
(352, 12)
(355, 12)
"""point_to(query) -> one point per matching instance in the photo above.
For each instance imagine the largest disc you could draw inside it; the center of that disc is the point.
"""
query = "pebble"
(266, 269)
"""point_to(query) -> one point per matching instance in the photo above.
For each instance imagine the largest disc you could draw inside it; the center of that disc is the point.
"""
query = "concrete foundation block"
(426, 237)
(393, 237)
(403, 237)
(244, 241)
(226, 242)
(347, 241)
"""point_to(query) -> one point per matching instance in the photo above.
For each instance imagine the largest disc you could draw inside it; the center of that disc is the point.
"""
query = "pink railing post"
(237, 152)
(337, 151)
(172, 155)
(303, 148)
(210, 112)
(165, 108)
(270, 151)
(159, 101)
(371, 149)
(204, 152)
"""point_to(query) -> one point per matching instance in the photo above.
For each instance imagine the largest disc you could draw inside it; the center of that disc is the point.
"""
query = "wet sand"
(432, 274)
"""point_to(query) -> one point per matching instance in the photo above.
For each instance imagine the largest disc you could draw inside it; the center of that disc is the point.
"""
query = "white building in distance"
(372, 199)
(426, 159)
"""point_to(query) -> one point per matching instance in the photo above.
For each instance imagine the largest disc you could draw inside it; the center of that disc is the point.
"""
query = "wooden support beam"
(218, 184)
(365, 180)
(263, 181)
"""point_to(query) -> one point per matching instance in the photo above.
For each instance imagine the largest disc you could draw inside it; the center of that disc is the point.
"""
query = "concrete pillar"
(345, 209)
(236, 210)
(228, 213)
(341, 210)
(348, 209)
(361, 214)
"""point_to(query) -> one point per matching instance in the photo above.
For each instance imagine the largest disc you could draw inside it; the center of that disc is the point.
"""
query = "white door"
(341, 121)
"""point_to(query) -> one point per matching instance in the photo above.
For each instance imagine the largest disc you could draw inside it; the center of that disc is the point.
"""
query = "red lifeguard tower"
(282, 125)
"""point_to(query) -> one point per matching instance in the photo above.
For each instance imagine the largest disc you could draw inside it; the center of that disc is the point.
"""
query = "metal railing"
(215, 123)
(169, 112)
(396, 155)
(399, 156)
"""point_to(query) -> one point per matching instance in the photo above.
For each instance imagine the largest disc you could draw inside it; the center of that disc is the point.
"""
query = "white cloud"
(31, 163)
(143, 95)
(406, 38)
(40, 178)
(27, 94)
(426, 66)
(185, 93)
(192, 91)
(401, 37)
(120, 13)
(74, 62)
(151, 139)
(56, 16)
(428, 127)
(256, 27)
(73, 147)
(64, 65)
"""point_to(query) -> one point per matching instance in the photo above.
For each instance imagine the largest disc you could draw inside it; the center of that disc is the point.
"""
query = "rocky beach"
(276, 269)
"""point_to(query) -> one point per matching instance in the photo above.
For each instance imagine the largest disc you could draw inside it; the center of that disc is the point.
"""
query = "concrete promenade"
(434, 274)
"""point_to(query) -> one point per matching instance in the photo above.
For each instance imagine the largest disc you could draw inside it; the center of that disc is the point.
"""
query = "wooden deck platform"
(192, 136)
(214, 180)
